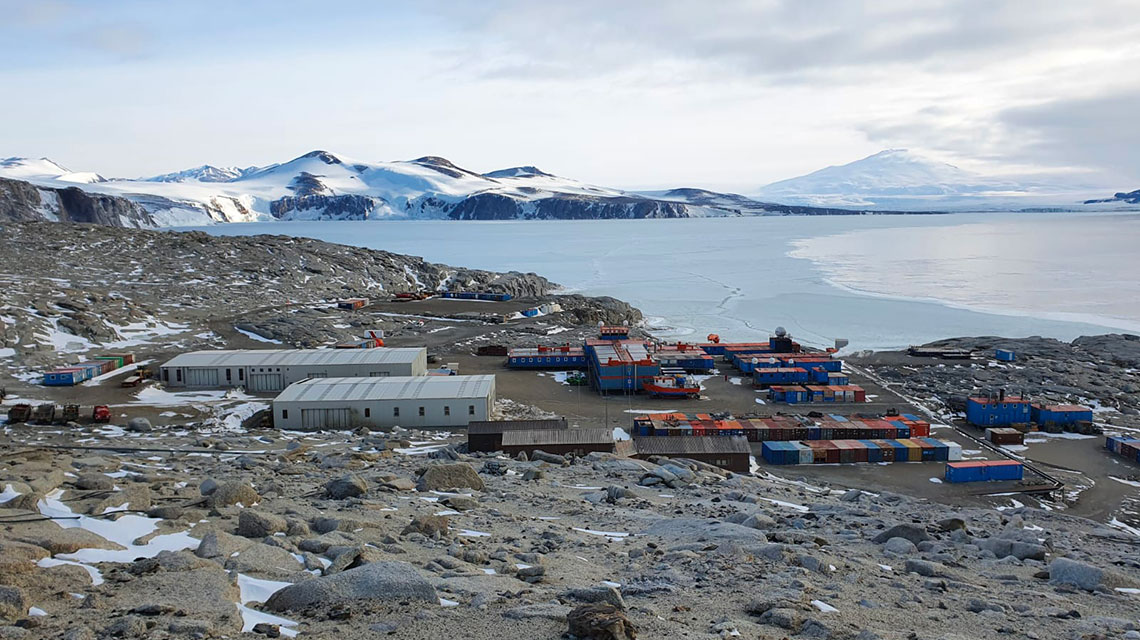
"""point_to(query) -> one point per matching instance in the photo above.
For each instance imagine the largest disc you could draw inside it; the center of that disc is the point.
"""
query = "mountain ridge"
(323, 185)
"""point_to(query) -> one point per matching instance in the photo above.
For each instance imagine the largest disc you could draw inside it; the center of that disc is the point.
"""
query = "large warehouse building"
(271, 370)
(421, 401)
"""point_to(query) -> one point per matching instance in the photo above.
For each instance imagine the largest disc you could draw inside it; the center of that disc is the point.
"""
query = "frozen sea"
(879, 281)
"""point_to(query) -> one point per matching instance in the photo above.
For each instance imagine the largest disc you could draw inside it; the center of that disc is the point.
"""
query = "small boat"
(673, 386)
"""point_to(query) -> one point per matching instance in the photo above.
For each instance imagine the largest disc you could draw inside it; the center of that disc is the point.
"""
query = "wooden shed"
(487, 435)
(727, 452)
(578, 442)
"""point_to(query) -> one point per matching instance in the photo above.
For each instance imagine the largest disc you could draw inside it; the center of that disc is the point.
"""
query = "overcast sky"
(631, 94)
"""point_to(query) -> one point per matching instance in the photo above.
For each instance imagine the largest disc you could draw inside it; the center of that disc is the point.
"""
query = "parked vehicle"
(101, 414)
(44, 413)
(70, 413)
(19, 413)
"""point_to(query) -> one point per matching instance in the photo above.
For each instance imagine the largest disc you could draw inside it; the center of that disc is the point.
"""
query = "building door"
(201, 377)
(260, 382)
(325, 418)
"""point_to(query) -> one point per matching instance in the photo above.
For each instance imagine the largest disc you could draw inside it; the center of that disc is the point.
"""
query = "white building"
(421, 401)
(270, 370)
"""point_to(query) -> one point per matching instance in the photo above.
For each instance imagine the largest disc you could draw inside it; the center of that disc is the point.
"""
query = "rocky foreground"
(363, 535)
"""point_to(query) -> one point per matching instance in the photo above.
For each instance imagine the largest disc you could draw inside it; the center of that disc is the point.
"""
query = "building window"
(470, 409)
(241, 374)
(395, 412)
(367, 412)
(421, 412)
(447, 411)
(178, 374)
(284, 414)
(229, 375)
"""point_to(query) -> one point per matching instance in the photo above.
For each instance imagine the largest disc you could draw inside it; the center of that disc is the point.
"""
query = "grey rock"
(234, 492)
(533, 474)
(439, 477)
(139, 425)
(427, 525)
(208, 486)
(899, 546)
(13, 603)
(923, 568)
(383, 581)
(1086, 576)
(552, 458)
(603, 593)
(908, 531)
(348, 486)
(256, 524)
(94, 481)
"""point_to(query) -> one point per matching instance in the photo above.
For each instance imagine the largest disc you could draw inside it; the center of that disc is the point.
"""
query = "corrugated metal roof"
(691, 445)
(502, 426)
(538, 437)
(388, 388)
(295, 357)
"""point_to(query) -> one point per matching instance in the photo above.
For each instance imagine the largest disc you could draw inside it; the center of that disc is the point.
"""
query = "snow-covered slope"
(204, 173)
(898, 179)
(322, 185)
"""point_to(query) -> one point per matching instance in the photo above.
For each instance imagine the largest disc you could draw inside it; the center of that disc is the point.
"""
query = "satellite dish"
(781, 332)
(771, 361)
(791, 362)
(755, 360)
(601, 323)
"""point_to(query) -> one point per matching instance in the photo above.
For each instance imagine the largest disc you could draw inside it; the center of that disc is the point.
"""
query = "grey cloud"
(1098, 131)
(787, 40)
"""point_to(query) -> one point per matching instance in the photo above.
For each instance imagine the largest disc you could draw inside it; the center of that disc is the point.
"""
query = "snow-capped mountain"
(29, 168)
(898, 179)
(322, 185)
(204, 173)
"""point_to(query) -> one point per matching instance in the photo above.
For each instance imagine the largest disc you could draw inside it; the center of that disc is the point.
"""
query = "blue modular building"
(1062, 414)
(1002, 410)
(1005, 355)
(764, 377)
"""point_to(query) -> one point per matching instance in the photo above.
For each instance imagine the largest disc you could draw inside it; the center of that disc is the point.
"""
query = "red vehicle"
(101, 414)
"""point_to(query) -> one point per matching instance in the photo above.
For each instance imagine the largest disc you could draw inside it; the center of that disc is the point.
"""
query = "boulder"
(899, 546)
(380, 581)
(348, 486)
(139, 425)
(1086, 576)
(13, 603)
(427, 525)
(439, 477)
(908, 531)
(234, 492)
(600, 622)
(552, 458)
(94, 482)
(255, 524)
